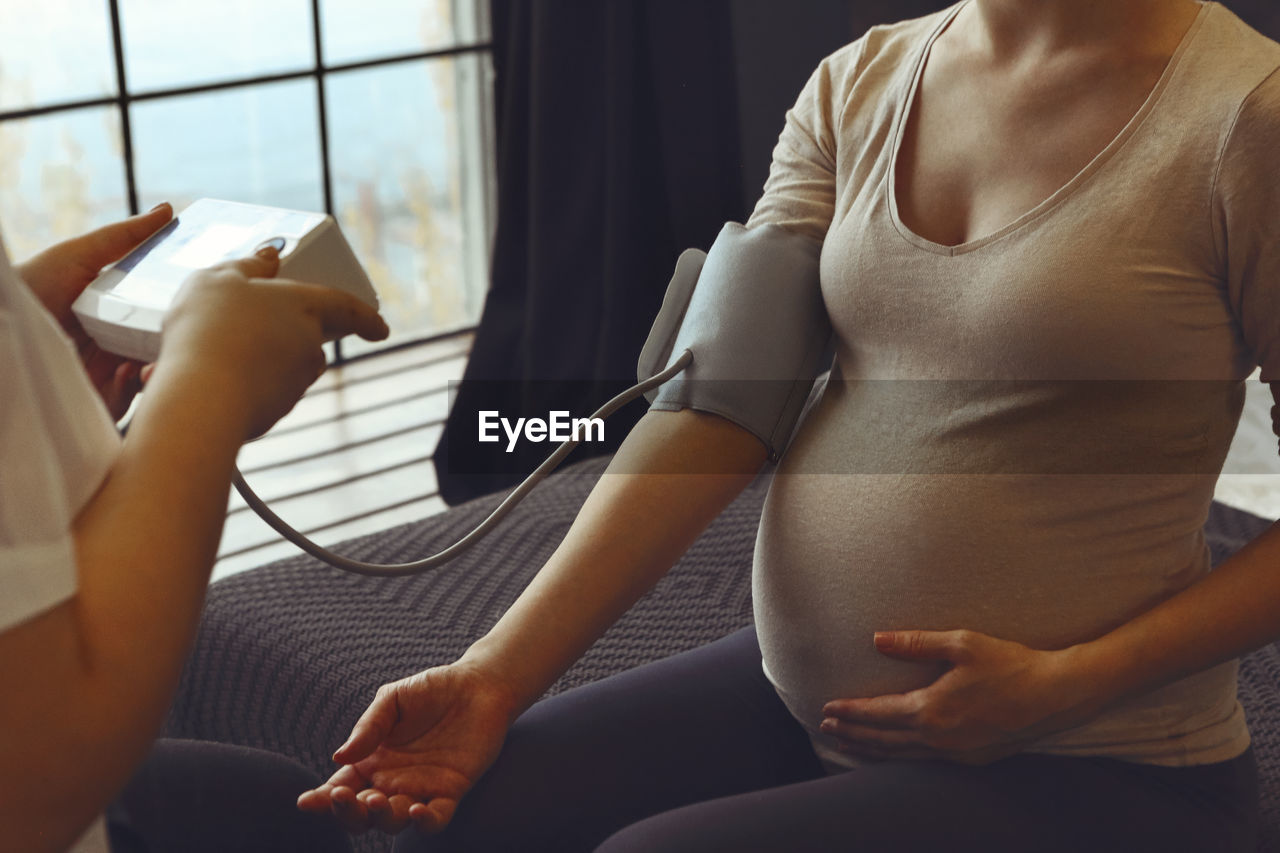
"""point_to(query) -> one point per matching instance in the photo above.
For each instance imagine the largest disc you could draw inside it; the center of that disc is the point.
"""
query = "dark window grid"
(318, 72)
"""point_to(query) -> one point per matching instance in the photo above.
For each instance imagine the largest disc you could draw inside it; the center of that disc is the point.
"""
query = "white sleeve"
(57, 443)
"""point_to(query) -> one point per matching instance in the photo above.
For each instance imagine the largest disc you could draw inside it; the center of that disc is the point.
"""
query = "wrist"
(214, 390)
(1092, 677)
(486, 659)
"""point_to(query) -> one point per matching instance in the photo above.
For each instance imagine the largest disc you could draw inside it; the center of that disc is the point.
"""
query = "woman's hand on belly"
(996, 697)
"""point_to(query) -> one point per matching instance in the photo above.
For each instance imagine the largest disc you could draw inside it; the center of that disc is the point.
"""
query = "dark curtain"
(617, 149)
(1262, 15)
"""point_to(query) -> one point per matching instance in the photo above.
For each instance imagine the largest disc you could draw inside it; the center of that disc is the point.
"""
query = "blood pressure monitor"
(751, 308)
(124, 308)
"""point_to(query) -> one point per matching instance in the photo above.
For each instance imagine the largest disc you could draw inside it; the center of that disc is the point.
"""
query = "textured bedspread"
(289, 654)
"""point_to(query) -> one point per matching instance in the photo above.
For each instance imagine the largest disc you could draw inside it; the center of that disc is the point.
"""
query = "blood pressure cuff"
(751, 312)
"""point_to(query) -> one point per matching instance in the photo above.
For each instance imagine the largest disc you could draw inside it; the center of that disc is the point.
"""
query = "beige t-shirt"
(1022, 432)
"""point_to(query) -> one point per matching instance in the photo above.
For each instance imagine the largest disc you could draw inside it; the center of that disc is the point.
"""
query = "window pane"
(352, 32)
(258, 144)
(236, 38)
(409, 181)
(60, 175)
(33, 72)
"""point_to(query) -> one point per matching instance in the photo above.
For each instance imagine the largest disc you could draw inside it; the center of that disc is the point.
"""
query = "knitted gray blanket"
(288, 655)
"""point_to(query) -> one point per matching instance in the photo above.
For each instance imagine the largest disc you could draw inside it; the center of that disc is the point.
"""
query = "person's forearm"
(631, 529)
(147, 541)
(1225, 615)
(96, 674)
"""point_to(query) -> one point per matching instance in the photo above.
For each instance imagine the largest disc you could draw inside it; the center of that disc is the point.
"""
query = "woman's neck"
(1013, 31)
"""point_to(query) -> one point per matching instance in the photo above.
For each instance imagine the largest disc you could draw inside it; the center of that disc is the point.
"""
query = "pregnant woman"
(1049, 235)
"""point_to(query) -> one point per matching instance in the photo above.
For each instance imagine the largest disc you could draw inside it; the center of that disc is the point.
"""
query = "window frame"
(478, 214)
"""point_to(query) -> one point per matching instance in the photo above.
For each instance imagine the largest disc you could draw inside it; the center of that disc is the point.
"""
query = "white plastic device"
(123, 309)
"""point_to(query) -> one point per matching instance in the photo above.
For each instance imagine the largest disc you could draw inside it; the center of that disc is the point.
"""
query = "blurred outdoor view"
(408, 141)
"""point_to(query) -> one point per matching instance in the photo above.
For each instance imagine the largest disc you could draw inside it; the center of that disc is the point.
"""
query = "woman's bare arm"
(88, 681)
(1227, 614)
(631, 529)
(424, 740)
(84, 686)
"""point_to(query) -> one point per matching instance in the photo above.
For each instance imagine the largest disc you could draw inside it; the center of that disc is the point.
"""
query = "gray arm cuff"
(756, 325)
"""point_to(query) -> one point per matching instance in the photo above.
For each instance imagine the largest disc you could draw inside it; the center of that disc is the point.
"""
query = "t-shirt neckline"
(1053, 201)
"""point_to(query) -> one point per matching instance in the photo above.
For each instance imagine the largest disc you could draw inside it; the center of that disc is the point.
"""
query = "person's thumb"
(110, 243)
(263, 263)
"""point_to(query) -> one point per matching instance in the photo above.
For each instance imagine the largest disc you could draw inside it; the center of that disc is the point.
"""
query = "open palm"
(418, 748)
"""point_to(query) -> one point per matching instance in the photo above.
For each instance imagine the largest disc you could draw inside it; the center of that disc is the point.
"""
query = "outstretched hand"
(420, 746)
(996, 697)
(60, 273)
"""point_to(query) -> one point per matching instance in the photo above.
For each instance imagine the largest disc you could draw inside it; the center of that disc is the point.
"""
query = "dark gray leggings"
(696, 753)
(197, 797)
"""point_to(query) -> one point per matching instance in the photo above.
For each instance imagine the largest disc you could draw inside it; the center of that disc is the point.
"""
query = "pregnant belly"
(1041, 559)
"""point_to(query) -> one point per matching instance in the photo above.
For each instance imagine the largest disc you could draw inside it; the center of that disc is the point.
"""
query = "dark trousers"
(697, 753)
(197, 797)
